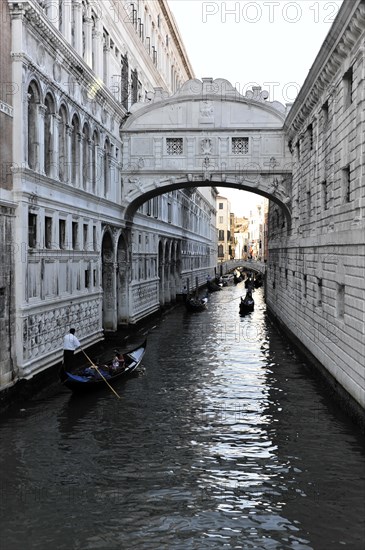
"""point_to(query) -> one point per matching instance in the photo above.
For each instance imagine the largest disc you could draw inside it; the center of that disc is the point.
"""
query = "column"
(67, 20)
(14, 89)
(87, 28)
(106, 50)
(97, 38)
(52, 8)
(77, 25)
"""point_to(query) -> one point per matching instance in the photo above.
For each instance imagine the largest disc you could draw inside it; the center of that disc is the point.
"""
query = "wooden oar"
(97, 370)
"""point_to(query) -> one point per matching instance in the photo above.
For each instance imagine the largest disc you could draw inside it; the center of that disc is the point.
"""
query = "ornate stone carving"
(257, 94)
(40, 55)
(206, 112)
(57, 72)
(206, 146)
(135, 184)
(279, 190)
(44, 332)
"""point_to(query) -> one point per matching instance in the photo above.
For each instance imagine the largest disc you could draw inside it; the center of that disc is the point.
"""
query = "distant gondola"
(213, 286)
(258, 281)
(86, 379)
(247, 304)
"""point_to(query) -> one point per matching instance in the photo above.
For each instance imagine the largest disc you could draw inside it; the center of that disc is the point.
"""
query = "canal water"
(225, 441)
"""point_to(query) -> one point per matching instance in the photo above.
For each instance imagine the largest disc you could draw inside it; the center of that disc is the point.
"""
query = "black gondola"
(258, 282)
(86, 378)
(213, 286)
(196, 304)
(247, 304)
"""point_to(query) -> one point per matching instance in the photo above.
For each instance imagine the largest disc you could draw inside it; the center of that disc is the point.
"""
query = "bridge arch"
(206, 134)
(183, 183)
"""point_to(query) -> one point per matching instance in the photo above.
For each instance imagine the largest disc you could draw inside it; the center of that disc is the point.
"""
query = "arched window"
(85, 157)
(62, 144)
(75, 151)
(48, 134)
(106, 166)
(94, 161)
(33, 144)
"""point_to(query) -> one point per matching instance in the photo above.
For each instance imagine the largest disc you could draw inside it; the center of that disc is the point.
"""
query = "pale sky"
(271, 43)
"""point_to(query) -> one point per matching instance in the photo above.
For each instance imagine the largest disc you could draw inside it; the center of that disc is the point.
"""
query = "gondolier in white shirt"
(70, 344)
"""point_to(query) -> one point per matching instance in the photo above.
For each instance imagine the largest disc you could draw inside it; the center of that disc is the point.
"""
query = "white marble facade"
(77, 69)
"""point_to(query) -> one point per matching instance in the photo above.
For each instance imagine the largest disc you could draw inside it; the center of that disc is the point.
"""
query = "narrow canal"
(226, 441)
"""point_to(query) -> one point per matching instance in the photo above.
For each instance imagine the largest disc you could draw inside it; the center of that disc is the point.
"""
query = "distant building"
(257, 233)
(241, 238)
(224, 228)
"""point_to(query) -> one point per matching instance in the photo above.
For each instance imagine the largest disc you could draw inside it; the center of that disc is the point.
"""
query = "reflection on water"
(225, 442)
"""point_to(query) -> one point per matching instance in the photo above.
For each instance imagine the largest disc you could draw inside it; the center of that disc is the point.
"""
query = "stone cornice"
(207, 90)
(175, 34)
(344, 34)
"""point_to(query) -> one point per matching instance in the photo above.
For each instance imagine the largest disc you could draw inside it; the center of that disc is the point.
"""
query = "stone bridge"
(206, 134)
(249, 265)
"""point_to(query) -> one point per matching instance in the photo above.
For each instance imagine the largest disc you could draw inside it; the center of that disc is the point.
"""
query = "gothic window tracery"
(240, 145)
(174, 146)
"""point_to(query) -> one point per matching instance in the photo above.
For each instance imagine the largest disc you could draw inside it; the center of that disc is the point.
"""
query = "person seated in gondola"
(95, 372)
(118, 362)
(90, 372)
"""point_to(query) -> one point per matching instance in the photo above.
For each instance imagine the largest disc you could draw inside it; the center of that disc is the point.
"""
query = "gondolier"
(70, 344)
